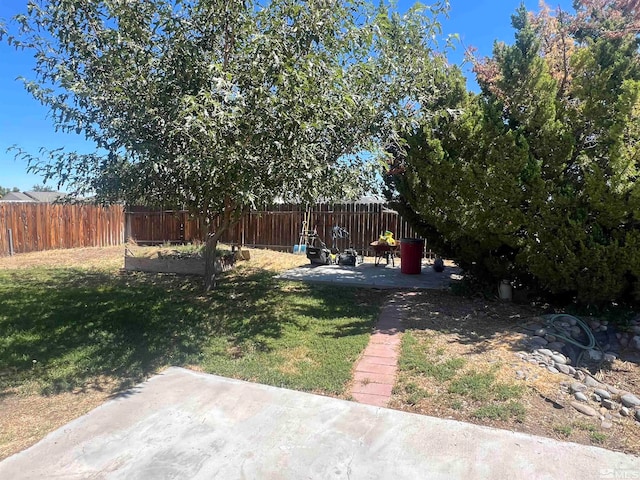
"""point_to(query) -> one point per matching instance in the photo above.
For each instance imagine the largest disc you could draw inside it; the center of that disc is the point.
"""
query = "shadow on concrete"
(381, 276)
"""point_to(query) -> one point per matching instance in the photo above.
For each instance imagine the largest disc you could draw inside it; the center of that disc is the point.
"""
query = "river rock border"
(543, 348)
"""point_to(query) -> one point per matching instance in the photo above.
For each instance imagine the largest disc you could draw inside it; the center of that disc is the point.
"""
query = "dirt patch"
(459, 361)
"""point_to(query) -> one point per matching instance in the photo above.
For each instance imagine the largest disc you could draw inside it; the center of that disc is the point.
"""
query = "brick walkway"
(375, 373)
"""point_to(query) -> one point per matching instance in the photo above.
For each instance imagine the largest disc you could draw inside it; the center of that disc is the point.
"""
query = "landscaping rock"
(557, 346)
(532, 327)
(553, 369)
(602, 393)
(630, 400)
(630, 356)
(594, 355)
(637, 414)
(566, 369)
(606, 424)
(585, 409)
(592, 382)
(635, 342)
(559, 358)
(537, 342)
(610, 357)
(613, 390)
(577, 387)
(625, 412)
(609, 404)
(544, 351)
(541, 331)
(550, 338)
(581, 397)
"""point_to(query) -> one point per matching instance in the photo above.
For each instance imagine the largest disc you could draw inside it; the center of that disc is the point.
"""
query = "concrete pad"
(368, 275)
(187, 425)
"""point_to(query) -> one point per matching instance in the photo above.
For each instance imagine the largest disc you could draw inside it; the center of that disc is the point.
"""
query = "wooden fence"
(28, 227)
(278, 227)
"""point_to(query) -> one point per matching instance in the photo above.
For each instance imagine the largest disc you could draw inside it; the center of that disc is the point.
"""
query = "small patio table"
(384, 251)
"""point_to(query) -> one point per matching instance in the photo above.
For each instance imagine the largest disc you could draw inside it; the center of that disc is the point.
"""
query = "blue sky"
(24, 122)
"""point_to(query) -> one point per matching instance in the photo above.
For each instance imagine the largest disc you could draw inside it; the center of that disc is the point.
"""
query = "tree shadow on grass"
(352, 328)
(61, 329)
(333, 302)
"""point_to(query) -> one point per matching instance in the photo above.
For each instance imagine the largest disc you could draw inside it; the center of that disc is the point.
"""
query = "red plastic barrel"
(411, 255)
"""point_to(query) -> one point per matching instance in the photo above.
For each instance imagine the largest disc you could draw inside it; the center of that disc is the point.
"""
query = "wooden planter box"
(180, 266)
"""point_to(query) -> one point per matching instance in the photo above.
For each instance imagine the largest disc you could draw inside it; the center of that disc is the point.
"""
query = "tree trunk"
(231, 215)
(210, 257)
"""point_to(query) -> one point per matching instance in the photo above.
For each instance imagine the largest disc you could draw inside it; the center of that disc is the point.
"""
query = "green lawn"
(61, 328)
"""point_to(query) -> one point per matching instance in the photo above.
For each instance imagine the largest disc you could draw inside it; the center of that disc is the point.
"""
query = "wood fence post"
(127, 225)
(10, 242)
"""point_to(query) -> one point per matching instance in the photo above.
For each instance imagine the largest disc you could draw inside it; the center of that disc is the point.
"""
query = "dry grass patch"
(294, 358)
(101, 258)
(458, 361)
(112, 258)
(25, 419)
(277, 262)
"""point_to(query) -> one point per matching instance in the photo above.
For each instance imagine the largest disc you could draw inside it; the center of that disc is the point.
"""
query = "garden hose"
(551, 319)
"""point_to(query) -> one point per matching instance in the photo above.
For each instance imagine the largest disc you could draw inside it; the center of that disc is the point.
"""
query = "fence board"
(276, 227)
(46, 226)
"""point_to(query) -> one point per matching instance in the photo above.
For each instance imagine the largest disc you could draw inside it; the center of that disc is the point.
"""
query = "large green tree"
(221, 105)
(535, 179)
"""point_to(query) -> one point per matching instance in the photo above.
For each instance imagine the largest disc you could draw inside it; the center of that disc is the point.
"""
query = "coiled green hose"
(550, 320)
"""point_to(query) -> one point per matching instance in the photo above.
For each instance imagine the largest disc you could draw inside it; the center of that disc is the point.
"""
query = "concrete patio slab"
(186, 425)
(369, 275)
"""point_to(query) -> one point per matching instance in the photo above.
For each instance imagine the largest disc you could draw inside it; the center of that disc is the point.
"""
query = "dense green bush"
(534, 179)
